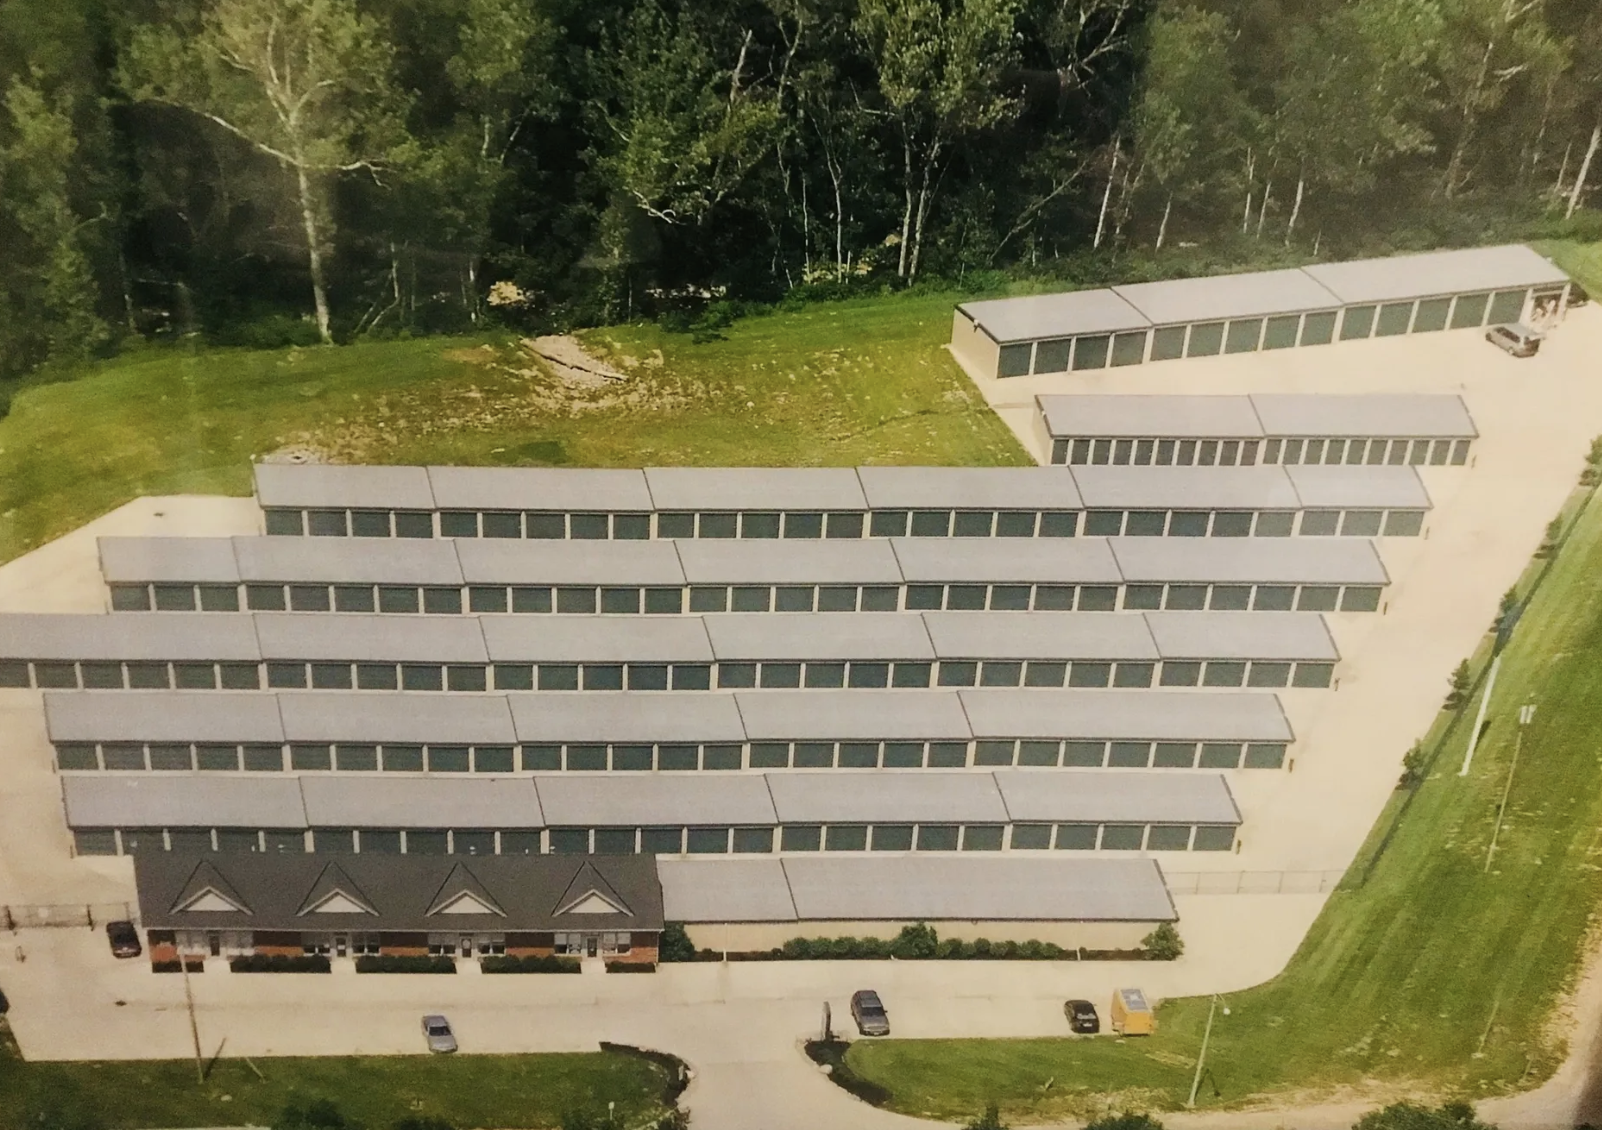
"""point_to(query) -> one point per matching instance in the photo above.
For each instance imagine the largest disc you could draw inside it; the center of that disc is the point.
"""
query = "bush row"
(397, 963)
(631, 967)
(920, 942)
(552, 964)
(279, 963)
(196, 965)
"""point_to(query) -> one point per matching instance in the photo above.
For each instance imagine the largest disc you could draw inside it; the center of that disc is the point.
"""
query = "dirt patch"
(570, 362)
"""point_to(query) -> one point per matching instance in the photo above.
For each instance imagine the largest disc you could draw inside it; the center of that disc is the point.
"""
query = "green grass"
(865, 381)
(1432, 975)
(375, 1091)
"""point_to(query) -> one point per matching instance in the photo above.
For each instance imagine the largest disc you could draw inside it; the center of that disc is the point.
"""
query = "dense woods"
(270, 171)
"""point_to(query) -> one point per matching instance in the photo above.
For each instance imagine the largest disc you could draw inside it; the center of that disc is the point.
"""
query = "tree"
(1163, 943)
(939, 66)
(1460, 682)
(675, 943)
(1408, 1116)
(305, 82)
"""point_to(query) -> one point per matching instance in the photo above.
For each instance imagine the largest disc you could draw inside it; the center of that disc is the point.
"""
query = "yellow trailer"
(1131, 1015)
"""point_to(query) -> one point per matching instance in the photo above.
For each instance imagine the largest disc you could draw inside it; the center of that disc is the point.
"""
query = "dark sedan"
(1082, 1018)
(868, 1011)
(124, 939)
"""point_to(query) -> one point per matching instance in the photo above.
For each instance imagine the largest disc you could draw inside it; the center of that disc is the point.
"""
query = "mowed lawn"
(865, 381)
(1433, 976)
(374, 1091)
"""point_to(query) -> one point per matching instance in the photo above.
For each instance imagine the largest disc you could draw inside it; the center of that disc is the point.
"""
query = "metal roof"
(595, 639)
(1241, 635)
(183, 802)
(1044, 560)
(1160, 415)
(395, 716)
(657, 716)
(368, 638)
(1286, 561)
(1385, 414)
(504, 561)
(626, 800)
(312, 485)
(845, 561)
(851, 714)
(1184, 488)
(713, 889)
(1345, 487)
(896, 797)
(1040, 635)
(202, 560)
(538, 488)
(1099, 796)
(162, 716)
(401, 561)
(1111, 714)
(754, 488)
(1034, 316)
(127, 635)
(420, 802)
(968, 488)
(969, 888)
(818, 635)
(1219, 297)
(1509, 267)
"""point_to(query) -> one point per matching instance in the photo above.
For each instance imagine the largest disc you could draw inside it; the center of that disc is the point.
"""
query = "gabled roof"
(463, 893)
(208, 892)
(590, 893)
(335, 892)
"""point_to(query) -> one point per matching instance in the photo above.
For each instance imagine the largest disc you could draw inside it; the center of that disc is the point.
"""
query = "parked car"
(124, 939)
(1082, 1018)
(1577, 295)
(868, 1011)
(1518, 339)
(437, 1031)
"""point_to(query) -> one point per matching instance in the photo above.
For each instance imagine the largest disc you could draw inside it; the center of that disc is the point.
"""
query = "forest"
(270, 172)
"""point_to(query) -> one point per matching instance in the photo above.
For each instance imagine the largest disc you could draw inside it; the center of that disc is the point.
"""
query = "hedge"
(397, 963)
(514, 964)
(279, 963)
(919, 942)
(631, 967)
(175, 966)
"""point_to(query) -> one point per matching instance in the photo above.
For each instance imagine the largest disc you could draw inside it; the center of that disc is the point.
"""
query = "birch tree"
(307, 83)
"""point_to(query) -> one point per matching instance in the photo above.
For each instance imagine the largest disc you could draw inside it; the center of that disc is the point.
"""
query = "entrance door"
(214, 943)
(592, 946)
(466, 947)
(341, 945)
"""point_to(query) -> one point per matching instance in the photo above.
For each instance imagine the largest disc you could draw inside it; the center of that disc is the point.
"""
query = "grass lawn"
(1434, 975)
(866, 381)
(466, 1090)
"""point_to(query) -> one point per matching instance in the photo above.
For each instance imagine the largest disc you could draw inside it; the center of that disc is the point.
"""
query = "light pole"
(1201, 1059)
(1526, 716)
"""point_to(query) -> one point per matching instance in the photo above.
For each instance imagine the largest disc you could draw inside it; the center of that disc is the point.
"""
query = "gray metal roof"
(713, 889)
(1151, 715)
(402, 561)
(1286, 561)
(162, 716)
(1509, 267)
(862, 561)
(318, 486)
(504, 561)
(1184, 488)
(1347, 487)
(1035, 316)
(754, 488)
(127, 635)
(936, 888)
(1385, 414)
(1241, 635)
(1100, 796)
(912, 796)
(852, 714)
(1218, 297)
(538, 488)
(382, 716)
(368, 638)
(205, 560)
(183, 802)
(1044, 560)
(658, 716)
(595, 639)
(1040, 635)
(968, 488)
(623, 800)
(420, 802)
(1160, 415)
(818, 635)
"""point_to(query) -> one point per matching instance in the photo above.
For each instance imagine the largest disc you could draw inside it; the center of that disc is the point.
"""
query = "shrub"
(552, 964)
(675, 944)
(317, 1114)
(1462, 679)
(279, 963)
(989, 1120)
(1407, 1116)
(1163, 943)
(629, 967)
(273, 331)
(398, 963)
(918, 940)
(1413, 767)
(196, 965)
(1125, 1121)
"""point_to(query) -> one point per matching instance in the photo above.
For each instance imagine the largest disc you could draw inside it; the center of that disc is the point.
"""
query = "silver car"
(437, 1031)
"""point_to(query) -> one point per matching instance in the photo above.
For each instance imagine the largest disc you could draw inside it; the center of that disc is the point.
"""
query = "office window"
(1054, 598)
(911, 674)
(153, 676)
(481, 598)
(586, 758)
(1168, 837)
(844, 524)
(1280, 332)
(792, 598)
(575, 600)
(1015, 524)
(1098, 598)
(994, 752)
(1316, 598)
(1044, 673)
(402, 758)
(570, 841)
(958, 673)
(780, 675)
(588, 527)
(1087, 674)
(124, 756)
(631, 527)
(948, 755)
(1265, 674)
(1468, 311)
(304, 758)
(859, 755)
(1243, 336)
(1394, 318)
(1129, 755)
(1122, 837)
(770, 755)
(1090, 352)
(175, 598)
(353, 598)
(326, 523)
(466, 678)
(983, 837)
(142, 841)
(631, 758)
(1145, 523)
(502, 524)
(1103, 523)
(1168, 343)
(1052, 356)
(1404, 523)
(331, 676)
(1360, 523)
(1039, 752)
(660, 602)
(1129, 348)
(413, 524)
(1320, 523)
(492, 759)
(973, 523)
(369, 523)
(1000, 673)
(765, 525)
(1224, 673)
(937, 837)
(1058, 523)
(1220, 755)
(814, 755)
(748, 841)
(1180, 673)
(541, 758)
(1128, 674)
(422, 677)
(285, 522)
(220, 598)
(887, 524)
(1214, 837)
(837, 598)
(931, 523)
(263, 758)
(717, 525)
(175, 758)
(1265, 755)
(704, 599)
(749, 598)
(1273, 598)
(217, 758)
(845, 837)
(903, 755)
(655, 841)
(1507, 307)
(738, 676)
(356, 758)
(392, 598)
(673, 758)
(691, 677)
(1009, 598)
(1186, 598)
(1230, 598)
(56, 675)
(603, 676)
(458, 524)
(558, 677)
(707, 841)
(1360, 598)
(130, 598)
(514, 677)
(1174, 755)
(925, 597)
(1232, 524)
(679, 525)
(442, 601)
(862, 675)
(1014, 360)
(190, 839)
(545, 526)
(1313, 675)
(800, 837)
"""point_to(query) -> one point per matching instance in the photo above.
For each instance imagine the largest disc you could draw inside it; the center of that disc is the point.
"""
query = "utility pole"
(1201, 1059)
(194, 1027)
(1526, 715)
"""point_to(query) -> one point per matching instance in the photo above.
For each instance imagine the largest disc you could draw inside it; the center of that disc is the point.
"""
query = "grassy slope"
(865, 381)
(466, 1090)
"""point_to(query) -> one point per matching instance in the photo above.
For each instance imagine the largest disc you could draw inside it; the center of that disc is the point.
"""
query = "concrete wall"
(748, 936)
(973, 348)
